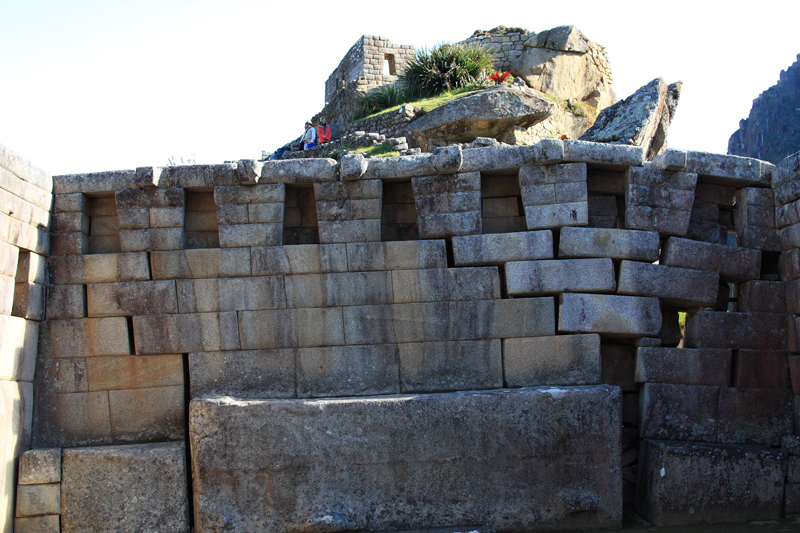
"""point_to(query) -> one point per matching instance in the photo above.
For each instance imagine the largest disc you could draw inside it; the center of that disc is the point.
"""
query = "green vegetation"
(393, 95)
(446, 67)
(575, 107)
(426, 105)
(382, 150)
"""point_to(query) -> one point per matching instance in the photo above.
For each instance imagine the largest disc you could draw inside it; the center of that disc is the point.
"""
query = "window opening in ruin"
(388, 65)
(103, 226)
(300, 216)
(501, 204)
(200, 225)
(398, 212)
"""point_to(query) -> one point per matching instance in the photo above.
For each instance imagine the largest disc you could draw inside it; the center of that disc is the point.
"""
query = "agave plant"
(380, 98)
(446, 67)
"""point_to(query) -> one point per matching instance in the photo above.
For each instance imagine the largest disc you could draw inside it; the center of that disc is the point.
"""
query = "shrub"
(380, 98)
(446, 67)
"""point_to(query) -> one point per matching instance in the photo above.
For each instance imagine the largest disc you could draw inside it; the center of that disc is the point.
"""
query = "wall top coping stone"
(24, 170)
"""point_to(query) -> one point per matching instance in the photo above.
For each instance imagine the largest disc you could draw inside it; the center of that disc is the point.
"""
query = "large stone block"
(148, 493)
(613, 243)
(299, 259)
(528, 454)
(38, 524)
(558, 360)
(748, 331)
(532, 278)
(18, 348)
(146, 415)
(84, 337)
(201, 263)
(195, 332)
(663, 220)
(449, 224)
(346, 231)
(137, 240)
(290, 328)
(338, 289)
(37, 500)
(101, 268)
(397, 255)
(134, 372)
(679, 412)
(241, 235)
(445, 284)
(759, 296)
(73, 419)
(754, 416)
(758, 369)
(680, 287)
(347, 371)
(131, 298)
(450, 366)
(556, 215)
(243, 374)
(298, 171)
(392, 323)
(251, 194)
(65, 301)
(611, 155)
(499, 248)
(789, 265)
(612, 315)
(685, 483)
(730, 170)
(40, 466)
(501, 319)
(15, 438)
(230, 294)
(28, 301)
(684, 366)
(733, 263)
(61, 376)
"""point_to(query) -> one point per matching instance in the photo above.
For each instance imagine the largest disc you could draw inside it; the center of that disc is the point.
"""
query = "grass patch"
(429, 104)
(580, 109)
(382, 150)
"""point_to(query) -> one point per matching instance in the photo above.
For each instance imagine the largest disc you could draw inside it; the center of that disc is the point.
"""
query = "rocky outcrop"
(642, 119)
(772, 131)
(489, 113)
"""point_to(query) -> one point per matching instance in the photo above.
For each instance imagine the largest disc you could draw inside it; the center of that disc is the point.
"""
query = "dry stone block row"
(448, 205)
(554, 196)
(659, 200)
(755, 219)
(349, 211)
(250, 215)
(38, 503)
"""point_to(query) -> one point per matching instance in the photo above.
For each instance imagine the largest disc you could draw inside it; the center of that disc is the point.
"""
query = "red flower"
(499, 78)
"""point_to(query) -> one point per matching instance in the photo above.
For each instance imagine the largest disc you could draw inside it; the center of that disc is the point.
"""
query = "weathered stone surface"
(788, 214)
(787, 192)
(761, 370)
(489, 113)
(759, 296)
(559, 275)
(675, 286)
(397, 255)
(299, 259)
(337, 289)
(756, 331)
(450, 366)
(138, 240)
(248, 170)
(616, 316)
(37, 500)
(556, 215)
(642, 119)
(231, 294)
(73, 419)
(613, 243)
(721, 484)
(733, 263)
(683, 366)
(787, 169)
(84, 337)
(347, 371)
(74, 243)
(663, 220)
(499, 248)
(383, 324)
(679, 412)
(448, 159)
(347, 231)
(28, 301)
(729, 170)
(290, 328)
(298, 171)
(243, 374)
(754, 416)
(148, 493)
(449, 224)
(196, 332)
(101, 268)
(618, 362)
(134, 372)
(445, 284)
(202, 263)
(373, 433)
(145, 415)
(192, 176)
(403, 167)
(40, 466)
(115, 180)
(511, 157)
(789, 237)
(38, 524)
(352, 167)
(558, 360)
(65, 301)
(131, 298)
(18, 348)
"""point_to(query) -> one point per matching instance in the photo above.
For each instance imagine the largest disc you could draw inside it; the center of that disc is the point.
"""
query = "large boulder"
(642, 119)
(489, 113)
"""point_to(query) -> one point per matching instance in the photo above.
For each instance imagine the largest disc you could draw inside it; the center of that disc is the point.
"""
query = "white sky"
(88, 85)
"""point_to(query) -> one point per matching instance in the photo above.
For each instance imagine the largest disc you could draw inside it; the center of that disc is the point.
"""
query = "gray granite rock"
(613, 243)
(616, 316)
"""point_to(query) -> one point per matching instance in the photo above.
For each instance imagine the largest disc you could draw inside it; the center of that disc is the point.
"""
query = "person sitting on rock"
(309, 138)
(323, 131)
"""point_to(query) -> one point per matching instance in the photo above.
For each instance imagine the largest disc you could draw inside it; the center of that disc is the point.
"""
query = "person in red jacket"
(323, 131)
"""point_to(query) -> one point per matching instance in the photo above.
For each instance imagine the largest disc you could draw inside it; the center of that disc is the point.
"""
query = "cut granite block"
(733, 263)
(684, 366)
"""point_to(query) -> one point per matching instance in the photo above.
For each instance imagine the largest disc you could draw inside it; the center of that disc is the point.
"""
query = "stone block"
(613, 243)
(290, 328)
(347, 371)
(38, 524)
(767, 239)
(557, 360)
(338, 289)
(9, 259)
(556, 215)
(611, 315)
(663, 220)
(299, 259)
(787, 169)
(733, 263)
(531, 278)
(399, 168)
(131, 298)
(133, 218)
(134, 372)
(67, 203)
(659, 196)
(232, 214)
(37, 500)
(7, 289)
(708, 232)
(84, 337)
(397, 255)
(202, 263)
(137, 198)
(445, 284)
(148, 494)
(546, 460)
(70, 222)
(196, 332)
(684, 366)
(70, 270)
(352, 166)
(720, 483)
(679, 412)
(618, 362)
(264, 213)
(754, 215)
(746, 331)
(298, 171)
(72, 419)
(449, 224)
(61, 375)
(667, 180)
(793, 472)
(497, 249)
(793, 337)
(136, 240)
(230, 294)
(241, 235)
(730, 170)
(789, 237)
(443, 184)
(65, 301)
(789, 265)
(250, 194)
(754, 416)
(759, 296)
(788, 214)
(790, 444)
(611, 155)
(196, 176)
(146, 415)
(392, 323)
(28, 301)
(40, 466)
(243, 374)
(787, 192)
(341, 191)
(114, 180)
(69, 243)
(166, 217)
(680, 287)
(347, 231)
(450, 366)
(502, 319)
(792, 501)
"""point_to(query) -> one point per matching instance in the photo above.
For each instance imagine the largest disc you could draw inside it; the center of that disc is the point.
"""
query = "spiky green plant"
(446, 67)
(380, 98)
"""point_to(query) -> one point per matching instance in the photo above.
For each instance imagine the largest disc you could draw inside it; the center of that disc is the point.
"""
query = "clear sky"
(88, 85)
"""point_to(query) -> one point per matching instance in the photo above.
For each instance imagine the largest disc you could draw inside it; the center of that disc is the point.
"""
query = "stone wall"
(505, 47)
(431, 340)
